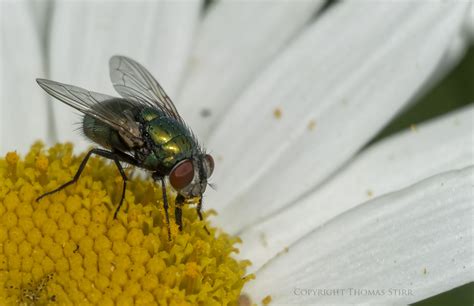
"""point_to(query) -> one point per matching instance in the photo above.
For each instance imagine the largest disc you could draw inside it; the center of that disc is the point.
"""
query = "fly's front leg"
(198, 209)
(178, 211)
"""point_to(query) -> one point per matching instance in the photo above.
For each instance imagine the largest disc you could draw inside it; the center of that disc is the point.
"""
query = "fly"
(143, 129)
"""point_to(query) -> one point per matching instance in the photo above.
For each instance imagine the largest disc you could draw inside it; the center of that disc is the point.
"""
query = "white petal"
(23, 106)
(41, 12)
(453, 54)
(235, 41)
(395, 163)
(86, 34)
(418, 239)
(470, 23)
(350, 73)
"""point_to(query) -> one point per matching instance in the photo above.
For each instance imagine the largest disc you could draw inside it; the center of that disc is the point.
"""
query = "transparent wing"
(132, 81)
(92, 104)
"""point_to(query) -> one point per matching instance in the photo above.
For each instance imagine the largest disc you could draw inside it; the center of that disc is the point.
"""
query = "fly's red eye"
(210, 164)
(182, 174)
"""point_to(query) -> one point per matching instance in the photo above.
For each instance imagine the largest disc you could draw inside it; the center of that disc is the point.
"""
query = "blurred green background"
(456, 90)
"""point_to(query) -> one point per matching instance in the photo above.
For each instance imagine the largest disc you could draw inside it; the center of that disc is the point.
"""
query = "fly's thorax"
(169, 141)
(162, 129)
(148, 114)
(150, 161)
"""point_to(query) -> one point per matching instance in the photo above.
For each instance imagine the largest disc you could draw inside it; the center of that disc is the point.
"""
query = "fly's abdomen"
(103, 134)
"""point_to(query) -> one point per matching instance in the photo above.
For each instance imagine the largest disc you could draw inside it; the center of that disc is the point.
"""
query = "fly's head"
(189, 177)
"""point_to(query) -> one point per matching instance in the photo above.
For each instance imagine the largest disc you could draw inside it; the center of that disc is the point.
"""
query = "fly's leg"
(198, 209)
(165, 206)
(100, 152)
(76, 176)
(178, 211)
(124, 177)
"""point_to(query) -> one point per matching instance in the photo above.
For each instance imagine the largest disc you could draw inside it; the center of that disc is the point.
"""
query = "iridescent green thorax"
(170, 140)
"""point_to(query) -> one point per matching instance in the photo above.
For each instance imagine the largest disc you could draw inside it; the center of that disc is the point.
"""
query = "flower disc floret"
(68, 249)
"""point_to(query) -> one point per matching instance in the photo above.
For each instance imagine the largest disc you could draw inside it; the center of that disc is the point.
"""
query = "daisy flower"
(287, 96)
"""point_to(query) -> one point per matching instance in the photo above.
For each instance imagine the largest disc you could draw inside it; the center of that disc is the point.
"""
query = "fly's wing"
(90, 103)
(132, 81)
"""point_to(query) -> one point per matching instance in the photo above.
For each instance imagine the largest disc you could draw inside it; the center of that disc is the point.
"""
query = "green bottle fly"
(143, 128)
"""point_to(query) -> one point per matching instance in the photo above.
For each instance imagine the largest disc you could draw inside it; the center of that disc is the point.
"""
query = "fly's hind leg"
(76, 176)
(104, 153)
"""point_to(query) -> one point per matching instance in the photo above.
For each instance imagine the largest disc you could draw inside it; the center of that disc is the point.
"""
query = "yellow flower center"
(68, 249)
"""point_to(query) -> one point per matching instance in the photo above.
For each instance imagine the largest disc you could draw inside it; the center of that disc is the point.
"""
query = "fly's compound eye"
(182, 174)
(209, 165)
